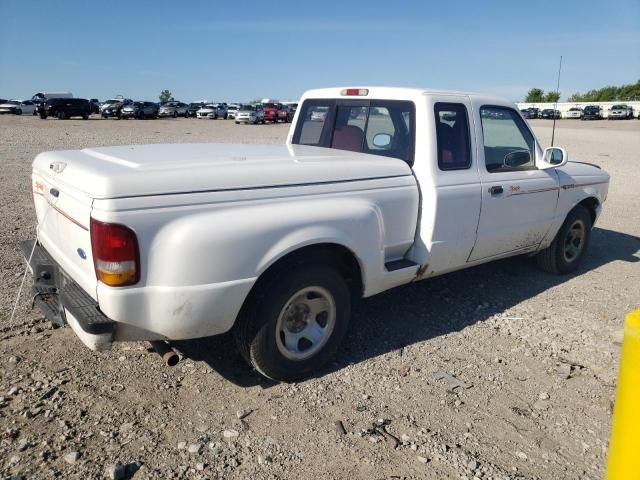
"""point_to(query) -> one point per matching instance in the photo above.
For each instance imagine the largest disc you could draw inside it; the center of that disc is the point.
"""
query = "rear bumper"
(133, 313)
(62, 301)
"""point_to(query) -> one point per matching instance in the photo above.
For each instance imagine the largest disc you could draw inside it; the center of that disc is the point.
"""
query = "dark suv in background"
(193, 108)
(64, 108)
(592, 112)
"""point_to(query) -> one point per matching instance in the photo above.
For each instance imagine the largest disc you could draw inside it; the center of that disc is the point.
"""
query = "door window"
(508, 143)
(452, 132)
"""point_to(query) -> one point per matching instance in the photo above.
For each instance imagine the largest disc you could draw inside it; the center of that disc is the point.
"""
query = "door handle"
(496, 190)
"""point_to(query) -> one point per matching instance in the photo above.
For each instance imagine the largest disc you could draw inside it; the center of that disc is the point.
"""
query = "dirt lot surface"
(537, 352)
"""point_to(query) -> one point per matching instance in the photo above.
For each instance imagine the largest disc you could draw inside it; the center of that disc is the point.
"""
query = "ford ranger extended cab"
(375, 187)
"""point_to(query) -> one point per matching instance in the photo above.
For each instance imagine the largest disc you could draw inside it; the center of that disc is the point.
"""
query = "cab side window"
(508, 143)
(452, 132)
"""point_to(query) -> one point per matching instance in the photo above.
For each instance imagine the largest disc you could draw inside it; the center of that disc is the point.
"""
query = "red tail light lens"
(115, 254)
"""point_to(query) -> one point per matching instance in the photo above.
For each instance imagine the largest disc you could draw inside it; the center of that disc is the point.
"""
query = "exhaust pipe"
(169, 357)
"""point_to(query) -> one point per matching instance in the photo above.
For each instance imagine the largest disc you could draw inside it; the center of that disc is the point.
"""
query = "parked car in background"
(250, 114)
(535, 112)
(317, 114)
(193, 108)
(111, 101)
(173, 109)
(232, 109)
(114, 109)
(550, 113)
(41, 97)
(63, 108)
(18, 107)
(529, 113)
(286, 113)
(94, 105)
(620, 112)
(592, 112)
(574, 112)
(271, 111)
(140, 110)
(219, 111)
(205, 110)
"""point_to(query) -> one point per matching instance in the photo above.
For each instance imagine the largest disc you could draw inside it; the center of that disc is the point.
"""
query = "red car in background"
(271, 111)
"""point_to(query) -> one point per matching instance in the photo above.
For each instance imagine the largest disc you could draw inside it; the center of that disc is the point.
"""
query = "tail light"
(116, 256)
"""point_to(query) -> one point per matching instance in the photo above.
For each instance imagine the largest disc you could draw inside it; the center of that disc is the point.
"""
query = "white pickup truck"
(375, 187)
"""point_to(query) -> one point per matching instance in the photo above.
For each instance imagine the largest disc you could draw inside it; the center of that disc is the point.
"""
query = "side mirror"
(517, 158)
(382, 140)
(554, 157)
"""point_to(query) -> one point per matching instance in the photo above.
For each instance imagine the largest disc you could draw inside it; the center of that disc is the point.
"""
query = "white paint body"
(210, 219)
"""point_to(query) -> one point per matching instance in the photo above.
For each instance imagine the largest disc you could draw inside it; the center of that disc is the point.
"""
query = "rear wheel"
(294, 322)
(18, 111)
(61, 116)
(85, 116)
(175, 114)
(570, 244)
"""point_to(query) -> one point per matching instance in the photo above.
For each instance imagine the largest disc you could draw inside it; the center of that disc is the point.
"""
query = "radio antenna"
(555, 105)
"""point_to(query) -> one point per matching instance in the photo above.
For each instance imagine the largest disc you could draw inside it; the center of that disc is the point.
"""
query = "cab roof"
(400, 93)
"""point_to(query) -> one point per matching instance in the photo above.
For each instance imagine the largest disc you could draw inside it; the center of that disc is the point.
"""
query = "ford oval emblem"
(82, 254)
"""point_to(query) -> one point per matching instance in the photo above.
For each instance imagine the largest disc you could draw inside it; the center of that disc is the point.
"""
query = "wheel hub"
(574, 241)
(305, 323)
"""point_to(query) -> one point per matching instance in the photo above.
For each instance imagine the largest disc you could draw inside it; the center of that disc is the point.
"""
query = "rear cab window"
(378, 127)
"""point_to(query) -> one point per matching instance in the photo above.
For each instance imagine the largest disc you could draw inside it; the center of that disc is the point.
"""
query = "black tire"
(175, 114)
(43, 116)
(226, 116)
(18, 111)
(263, 121)
(255, 329)
(555, 258)
(61, 115)
(85, 117)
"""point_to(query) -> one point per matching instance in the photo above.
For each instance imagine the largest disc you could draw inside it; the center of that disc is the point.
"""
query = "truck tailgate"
(63, 214)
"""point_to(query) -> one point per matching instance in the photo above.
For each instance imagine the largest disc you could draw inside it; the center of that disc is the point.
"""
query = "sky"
(244, 50)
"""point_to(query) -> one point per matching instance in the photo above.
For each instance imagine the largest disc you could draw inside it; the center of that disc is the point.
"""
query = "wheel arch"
(592, 204)
(336, 254)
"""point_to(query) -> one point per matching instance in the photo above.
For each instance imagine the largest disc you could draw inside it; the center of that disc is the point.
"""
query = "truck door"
(518, 200)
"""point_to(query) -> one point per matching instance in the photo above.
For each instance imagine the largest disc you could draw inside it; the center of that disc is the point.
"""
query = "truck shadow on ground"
(417, 312)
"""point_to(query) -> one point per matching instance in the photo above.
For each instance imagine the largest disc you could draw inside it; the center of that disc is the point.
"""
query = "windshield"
(247, 107)
(232, 107)
(547, 111)
(574, 109)
(269, 105)
(13, 102)
(619, 107)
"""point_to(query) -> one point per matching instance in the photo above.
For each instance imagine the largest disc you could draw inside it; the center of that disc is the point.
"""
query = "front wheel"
(18, 112)
(294, 322)
(570, 244)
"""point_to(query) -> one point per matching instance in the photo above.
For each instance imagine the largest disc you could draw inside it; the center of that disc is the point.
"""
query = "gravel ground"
(537, 352)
